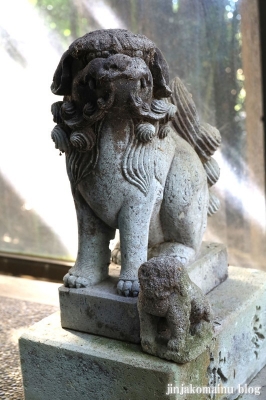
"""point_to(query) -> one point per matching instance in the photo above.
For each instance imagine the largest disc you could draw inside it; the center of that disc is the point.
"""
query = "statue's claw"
(73, 281)
(135, 288)
(128, 288)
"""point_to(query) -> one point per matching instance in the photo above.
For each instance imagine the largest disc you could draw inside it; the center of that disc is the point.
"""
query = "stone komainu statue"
(175, 316)
(137, 157)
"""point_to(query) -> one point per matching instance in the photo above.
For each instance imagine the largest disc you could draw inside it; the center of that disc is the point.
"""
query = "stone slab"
(64, 364)
(257, 387)
(101, 311)
(239, 345)
(211, 267)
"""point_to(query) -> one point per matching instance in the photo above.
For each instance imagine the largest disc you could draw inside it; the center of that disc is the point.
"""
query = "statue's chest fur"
(127, 172)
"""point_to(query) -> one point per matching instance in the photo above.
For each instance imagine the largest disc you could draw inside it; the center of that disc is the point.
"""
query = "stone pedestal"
(63, 364)
(100, 310)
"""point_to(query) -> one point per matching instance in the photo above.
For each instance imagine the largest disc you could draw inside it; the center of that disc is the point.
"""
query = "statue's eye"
(92, 84)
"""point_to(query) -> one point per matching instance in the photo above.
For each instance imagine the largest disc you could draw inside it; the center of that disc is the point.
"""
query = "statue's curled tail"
(204, 138)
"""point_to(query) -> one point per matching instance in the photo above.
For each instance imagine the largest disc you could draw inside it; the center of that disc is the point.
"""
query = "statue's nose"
(118, 65)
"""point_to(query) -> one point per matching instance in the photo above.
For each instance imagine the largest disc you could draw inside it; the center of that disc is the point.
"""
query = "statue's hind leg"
(184, 209)
(93, 256)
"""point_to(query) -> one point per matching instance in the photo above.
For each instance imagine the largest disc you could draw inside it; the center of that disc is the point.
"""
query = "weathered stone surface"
(99, 309)
(256, 387)
(63, 364)
(135, 160)
(175, 316)
(239, 346)
(211, 267)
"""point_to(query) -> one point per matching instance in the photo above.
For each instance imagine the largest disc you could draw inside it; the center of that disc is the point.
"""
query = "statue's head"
(107, 70)
(161, 276)
(117, 81)
(105, 44)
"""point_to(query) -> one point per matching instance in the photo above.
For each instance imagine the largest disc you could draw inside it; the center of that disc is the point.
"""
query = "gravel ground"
(16, 316)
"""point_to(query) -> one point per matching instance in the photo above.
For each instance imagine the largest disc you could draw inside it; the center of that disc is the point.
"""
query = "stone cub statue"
(175, 316)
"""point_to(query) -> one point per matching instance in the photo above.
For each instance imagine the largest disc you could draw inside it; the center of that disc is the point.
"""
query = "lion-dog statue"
(175, 316)
(137, 157)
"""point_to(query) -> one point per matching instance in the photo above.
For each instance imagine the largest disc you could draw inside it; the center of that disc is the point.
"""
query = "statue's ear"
(160, 73)
(62, 81)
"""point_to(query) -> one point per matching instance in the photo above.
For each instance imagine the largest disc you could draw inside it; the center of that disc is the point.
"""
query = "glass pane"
(202, 42)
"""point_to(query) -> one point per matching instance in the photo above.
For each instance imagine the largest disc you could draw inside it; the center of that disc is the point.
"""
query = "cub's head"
(161, 276)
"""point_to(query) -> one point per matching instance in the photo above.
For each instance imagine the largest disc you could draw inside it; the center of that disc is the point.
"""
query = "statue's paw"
(128, 288)
(73, 281)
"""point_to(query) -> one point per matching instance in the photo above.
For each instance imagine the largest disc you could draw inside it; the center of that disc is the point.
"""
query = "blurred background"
(213, 45)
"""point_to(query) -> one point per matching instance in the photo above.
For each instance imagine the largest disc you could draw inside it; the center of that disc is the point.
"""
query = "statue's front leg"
(93, 256)
(178, 322)
(148, 330)
(133, 224)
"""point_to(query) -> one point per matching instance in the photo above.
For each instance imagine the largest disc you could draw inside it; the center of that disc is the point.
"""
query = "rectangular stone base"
(64, 364)
(100, 310)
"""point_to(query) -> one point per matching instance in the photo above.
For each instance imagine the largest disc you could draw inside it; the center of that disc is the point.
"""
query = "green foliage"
(64, 17)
